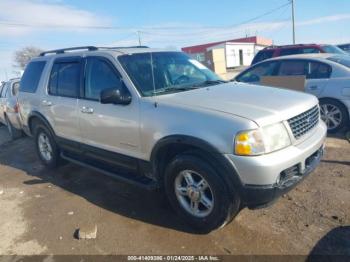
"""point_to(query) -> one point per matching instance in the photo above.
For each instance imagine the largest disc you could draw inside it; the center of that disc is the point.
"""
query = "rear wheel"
(14, 132)
(198, 194)
(334, 114)
(46, 147)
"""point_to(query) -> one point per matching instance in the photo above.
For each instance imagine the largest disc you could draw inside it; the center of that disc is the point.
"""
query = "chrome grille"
(303, 123)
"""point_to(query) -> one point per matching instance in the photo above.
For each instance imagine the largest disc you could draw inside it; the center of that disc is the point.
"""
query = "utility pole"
(139, 36)
(293, 21)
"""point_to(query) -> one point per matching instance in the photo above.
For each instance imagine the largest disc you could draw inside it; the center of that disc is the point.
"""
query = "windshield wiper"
(209, 83)
(174, 89)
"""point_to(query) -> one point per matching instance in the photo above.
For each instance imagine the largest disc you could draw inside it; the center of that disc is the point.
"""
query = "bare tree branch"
(24, 55)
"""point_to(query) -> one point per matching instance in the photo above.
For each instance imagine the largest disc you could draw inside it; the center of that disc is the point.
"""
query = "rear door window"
(318, 70)
(293, 68)
(31, 76)
(65, 79)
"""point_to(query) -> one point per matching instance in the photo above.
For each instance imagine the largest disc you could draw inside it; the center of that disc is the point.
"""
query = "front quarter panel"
(159, 120)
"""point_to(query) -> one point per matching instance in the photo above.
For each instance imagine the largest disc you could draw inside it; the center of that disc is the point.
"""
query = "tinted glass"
(65, 79)
(318, 70)
(4, 89)
(163, 71)
(255, 73)
(100, 75)
(343, 60)
(262, 55)
(290, 51)
(15, 88)
(333, 49)
(31, 76)
(293, 68)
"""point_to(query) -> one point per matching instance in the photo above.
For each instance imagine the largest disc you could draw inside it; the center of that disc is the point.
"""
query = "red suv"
(274, 51)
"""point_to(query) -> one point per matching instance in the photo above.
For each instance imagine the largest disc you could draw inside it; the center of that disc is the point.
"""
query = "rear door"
(317, 77)
(60, 102)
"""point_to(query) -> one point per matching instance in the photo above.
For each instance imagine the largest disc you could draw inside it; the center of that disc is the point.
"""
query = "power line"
(22, 24)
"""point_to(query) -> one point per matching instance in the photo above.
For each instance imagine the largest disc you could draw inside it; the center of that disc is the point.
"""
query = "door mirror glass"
(116, 95)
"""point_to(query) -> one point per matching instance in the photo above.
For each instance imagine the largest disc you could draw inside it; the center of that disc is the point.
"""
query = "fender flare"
(226, 169)
(36, 114)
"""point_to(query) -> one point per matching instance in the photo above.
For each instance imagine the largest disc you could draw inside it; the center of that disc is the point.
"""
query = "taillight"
(16, 108)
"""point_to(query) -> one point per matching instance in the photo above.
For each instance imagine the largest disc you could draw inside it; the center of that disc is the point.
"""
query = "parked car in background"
(275, 51)
(327, 77)
(214, 147)
(9, 108)
(345, 47)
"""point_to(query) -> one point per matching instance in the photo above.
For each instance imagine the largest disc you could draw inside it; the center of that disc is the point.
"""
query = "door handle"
(87, 110)
(313, 87)
(46, 103)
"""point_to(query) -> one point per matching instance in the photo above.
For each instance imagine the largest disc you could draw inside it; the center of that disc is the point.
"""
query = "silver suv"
(159, 119)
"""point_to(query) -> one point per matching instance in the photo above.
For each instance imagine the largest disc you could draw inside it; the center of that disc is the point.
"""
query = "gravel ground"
(41, 211)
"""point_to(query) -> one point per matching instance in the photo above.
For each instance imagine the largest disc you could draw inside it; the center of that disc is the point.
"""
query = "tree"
(24, 55)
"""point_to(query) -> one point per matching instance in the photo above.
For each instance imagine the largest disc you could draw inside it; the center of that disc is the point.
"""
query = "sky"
(51, 24)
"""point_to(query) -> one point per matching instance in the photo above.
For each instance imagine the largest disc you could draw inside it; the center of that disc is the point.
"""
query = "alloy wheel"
(194, 193)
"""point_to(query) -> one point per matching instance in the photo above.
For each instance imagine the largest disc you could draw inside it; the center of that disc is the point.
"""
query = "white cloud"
(38, 14)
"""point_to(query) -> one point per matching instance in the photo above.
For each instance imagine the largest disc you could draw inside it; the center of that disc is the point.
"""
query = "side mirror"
(119, 96)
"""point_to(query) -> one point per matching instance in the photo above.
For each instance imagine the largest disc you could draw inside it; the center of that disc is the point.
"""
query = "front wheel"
(334, 114)
(198, 194)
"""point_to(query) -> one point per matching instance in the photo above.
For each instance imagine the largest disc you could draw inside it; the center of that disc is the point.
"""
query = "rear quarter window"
(31, 77)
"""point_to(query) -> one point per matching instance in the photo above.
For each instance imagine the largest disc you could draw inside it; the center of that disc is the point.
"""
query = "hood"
(261, 104)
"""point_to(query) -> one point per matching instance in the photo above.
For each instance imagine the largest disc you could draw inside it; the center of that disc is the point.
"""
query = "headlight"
(262, 141)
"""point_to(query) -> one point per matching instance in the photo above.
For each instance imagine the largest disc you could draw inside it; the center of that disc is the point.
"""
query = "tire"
(334, 114)
(46, 147)
(224, 206)
(14, 132)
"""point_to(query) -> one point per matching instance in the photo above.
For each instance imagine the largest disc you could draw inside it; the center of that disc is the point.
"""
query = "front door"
(107, 128)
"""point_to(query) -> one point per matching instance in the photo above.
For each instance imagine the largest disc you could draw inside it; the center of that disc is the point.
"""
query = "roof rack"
(283, 46)
(89, 48)
(63, 50)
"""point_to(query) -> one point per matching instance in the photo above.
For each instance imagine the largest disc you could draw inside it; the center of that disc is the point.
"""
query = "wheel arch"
(37, 117)
(168, 147)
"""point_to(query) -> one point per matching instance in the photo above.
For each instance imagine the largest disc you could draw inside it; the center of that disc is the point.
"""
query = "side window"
(290, 51)
(311, 50)
(31, 77)
(15, 88)
(293, 68)
(65, 79)
(8, 92)
(318, 70)
(3, 91)
(262, 55)
(100, 75)
(254, 75)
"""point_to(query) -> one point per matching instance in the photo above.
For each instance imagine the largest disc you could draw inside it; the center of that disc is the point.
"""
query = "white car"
(327, 77)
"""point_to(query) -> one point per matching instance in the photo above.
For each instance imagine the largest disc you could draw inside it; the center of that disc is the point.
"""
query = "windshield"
(333, 49)
(343, 60)
(165, 72)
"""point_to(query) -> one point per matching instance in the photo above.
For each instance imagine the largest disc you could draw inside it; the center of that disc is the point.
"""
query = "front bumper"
(259, 196)
(266, 177)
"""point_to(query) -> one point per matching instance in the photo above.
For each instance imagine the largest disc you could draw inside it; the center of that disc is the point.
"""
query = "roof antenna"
(153, 81)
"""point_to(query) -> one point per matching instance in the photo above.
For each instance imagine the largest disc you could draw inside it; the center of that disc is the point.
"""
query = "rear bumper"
(256, 196)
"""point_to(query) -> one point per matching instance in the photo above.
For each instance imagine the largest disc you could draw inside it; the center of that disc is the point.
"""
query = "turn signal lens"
(249, 143)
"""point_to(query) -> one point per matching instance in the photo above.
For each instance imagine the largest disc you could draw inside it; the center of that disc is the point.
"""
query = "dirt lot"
(41, 210)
